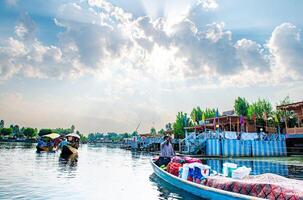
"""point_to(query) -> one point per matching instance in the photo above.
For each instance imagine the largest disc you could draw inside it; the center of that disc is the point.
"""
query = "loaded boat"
(48, 143)
(70, 145)
(265, 186)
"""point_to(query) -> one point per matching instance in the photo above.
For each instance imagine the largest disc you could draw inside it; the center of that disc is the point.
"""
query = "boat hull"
(46, 148)
(197, 189)
(68, 150)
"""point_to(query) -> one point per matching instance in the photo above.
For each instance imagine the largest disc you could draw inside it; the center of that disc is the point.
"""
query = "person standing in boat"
(166, 152)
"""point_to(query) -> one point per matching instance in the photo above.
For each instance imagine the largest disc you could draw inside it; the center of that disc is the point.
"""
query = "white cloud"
(101, 39)
(209, 4)
(286, 48)
(252, 54)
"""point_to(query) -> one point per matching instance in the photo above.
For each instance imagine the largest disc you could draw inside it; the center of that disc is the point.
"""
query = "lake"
(101, 172)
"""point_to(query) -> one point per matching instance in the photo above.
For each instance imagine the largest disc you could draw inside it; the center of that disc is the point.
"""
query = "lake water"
(99, 172)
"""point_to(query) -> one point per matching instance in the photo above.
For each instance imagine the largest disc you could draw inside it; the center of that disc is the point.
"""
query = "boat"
(48, 143)
(198, 189)
(70, 146)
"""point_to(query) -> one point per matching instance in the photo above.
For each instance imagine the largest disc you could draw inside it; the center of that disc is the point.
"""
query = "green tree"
(153, 131)
(83, 138)
(16, 130)
(241, 106)
(287, 115)
(91, 137)
(181, 121)
(1, 123)
(161, 132)
(168, 126)
(6, 131)
(260, 107)
(45, 131)
(196, 115)
(210, 113)
(125, 135)
(135, 133)
(72, 128)
(30, 132)
(286, 100)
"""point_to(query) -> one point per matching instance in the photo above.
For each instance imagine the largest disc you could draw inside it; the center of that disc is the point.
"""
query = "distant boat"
(197, 189)
(48, 143)
(71, 145)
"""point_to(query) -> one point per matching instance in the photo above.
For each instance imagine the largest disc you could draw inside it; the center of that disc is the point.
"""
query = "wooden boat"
(68, 150)
(48, 143)
(71, 147)
(47, 148)
(197, 189)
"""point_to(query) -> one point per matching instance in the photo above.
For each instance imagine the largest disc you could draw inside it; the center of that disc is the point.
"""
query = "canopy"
(52, 136)
(73, 135)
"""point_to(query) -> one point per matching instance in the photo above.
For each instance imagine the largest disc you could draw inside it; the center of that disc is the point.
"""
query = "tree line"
(109, 137)
(261, 111)
(15, 132)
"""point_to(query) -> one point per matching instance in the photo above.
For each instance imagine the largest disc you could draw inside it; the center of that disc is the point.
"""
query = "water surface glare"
(99, 172)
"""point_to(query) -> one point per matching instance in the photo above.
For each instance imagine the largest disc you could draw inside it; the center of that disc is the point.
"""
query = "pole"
(229, 123)
(255, 125)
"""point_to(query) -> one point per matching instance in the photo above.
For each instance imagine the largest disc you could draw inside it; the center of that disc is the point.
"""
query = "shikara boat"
(48, 143)
(197, 189)
(69, 150)
(72, 145)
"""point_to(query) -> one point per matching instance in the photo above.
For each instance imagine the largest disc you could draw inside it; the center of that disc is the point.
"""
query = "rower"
(167, 151)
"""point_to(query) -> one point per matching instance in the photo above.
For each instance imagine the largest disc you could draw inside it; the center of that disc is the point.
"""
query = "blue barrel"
(215, 165)
(225, 148)
(213, 147)
(282, 145)
(261, 167)
(236, 148)
(247, 148)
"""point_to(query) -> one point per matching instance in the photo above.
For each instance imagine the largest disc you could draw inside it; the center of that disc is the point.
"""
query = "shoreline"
(29, 141)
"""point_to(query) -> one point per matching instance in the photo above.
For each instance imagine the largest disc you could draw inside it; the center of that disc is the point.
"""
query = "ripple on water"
(99, 172)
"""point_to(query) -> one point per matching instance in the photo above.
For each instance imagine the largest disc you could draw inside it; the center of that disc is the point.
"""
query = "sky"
(109, 65)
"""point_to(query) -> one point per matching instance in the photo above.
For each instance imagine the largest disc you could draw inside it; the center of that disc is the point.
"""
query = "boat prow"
(197, 189)
(68, 150)
(46, 149)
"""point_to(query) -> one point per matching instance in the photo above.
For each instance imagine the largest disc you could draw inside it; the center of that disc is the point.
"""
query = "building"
(229, 121)
(298, 109)
(294, 139)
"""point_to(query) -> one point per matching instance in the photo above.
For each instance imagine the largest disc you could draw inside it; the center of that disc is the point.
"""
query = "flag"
(241, 119)
(217, 113)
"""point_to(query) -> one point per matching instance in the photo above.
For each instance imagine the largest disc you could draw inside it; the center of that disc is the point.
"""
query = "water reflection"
(68, 166)
(13, 145)
(167, 191)
(260, 166)
(98, 172)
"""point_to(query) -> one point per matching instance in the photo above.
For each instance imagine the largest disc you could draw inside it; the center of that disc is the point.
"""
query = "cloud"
(209, 4)
(252, 54)
(11, 2)
(286, 48)
(102, 39)
(10, 53)
(26, 27)
(206, 50)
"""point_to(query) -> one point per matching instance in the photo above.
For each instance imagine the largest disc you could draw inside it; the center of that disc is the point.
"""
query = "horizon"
(105, 66)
